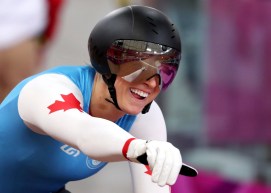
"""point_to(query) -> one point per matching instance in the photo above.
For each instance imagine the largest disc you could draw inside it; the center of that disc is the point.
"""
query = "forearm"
(99, 138)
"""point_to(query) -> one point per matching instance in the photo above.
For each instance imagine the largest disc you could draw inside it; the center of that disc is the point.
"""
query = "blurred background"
(218, 111)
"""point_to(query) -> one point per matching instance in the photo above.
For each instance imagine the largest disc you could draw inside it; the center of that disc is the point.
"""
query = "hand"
(164, 159)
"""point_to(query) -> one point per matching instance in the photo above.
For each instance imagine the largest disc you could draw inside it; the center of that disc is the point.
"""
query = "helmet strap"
(146, 108)
(111, 88)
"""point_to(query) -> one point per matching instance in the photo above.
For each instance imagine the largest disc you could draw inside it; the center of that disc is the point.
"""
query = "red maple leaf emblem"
(70, 102)
(148, 170)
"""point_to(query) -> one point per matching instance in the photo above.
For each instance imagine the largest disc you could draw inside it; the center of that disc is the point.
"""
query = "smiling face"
(133, 97)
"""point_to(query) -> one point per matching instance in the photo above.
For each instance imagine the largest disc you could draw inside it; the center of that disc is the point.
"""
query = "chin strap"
(112, 90)
(146, 108)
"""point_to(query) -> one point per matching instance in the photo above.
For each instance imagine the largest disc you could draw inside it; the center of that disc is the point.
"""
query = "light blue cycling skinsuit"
(35, 163)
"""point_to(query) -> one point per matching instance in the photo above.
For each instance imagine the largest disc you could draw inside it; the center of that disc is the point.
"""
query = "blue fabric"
(35, 163)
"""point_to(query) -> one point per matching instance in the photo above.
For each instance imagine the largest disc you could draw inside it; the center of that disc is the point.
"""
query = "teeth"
(140, 92)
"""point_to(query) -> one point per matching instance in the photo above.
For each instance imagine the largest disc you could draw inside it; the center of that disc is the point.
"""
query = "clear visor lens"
(138, 61)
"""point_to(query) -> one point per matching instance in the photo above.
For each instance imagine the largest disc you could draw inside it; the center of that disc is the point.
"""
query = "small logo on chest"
(70, 150)
(94, 164)
(91, 163)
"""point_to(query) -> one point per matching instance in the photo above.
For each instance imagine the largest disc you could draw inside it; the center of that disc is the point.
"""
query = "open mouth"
(139, 94)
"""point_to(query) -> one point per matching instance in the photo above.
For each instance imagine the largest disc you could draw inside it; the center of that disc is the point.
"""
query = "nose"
(153, 81)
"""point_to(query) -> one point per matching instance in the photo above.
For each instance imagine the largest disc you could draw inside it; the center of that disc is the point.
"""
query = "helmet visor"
(138, 61)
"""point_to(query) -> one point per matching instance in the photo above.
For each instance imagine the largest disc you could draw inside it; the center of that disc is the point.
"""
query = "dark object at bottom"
(62, 190)
(186, 170)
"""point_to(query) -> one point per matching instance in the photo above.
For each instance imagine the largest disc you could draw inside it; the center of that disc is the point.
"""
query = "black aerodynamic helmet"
(136, 43)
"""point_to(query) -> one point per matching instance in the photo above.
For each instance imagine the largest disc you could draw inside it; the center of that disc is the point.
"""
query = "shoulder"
(153, 117)
(48, 82)
(80, 75)
(75, 79)
(150, 125)
(71, 69)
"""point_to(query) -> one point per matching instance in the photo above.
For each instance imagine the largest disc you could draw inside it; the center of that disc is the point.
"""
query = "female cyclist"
(66, 123)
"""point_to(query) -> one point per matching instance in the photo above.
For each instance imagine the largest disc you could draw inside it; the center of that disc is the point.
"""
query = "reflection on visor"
(138, 61)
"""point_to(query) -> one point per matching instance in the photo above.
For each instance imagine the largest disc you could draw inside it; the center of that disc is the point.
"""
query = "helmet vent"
(154, 31)
(150, 21)
(173, 30)
(149, 18)
(152, 24)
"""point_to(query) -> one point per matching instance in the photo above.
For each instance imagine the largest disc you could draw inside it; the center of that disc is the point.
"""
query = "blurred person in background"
(26, 28)
(66, 123)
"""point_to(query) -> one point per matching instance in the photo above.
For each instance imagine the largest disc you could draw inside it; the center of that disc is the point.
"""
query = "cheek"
(122, 87)
(120, 82)
(155, 93)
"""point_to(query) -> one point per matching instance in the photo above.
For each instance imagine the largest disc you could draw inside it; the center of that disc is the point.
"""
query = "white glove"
(164, 159)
